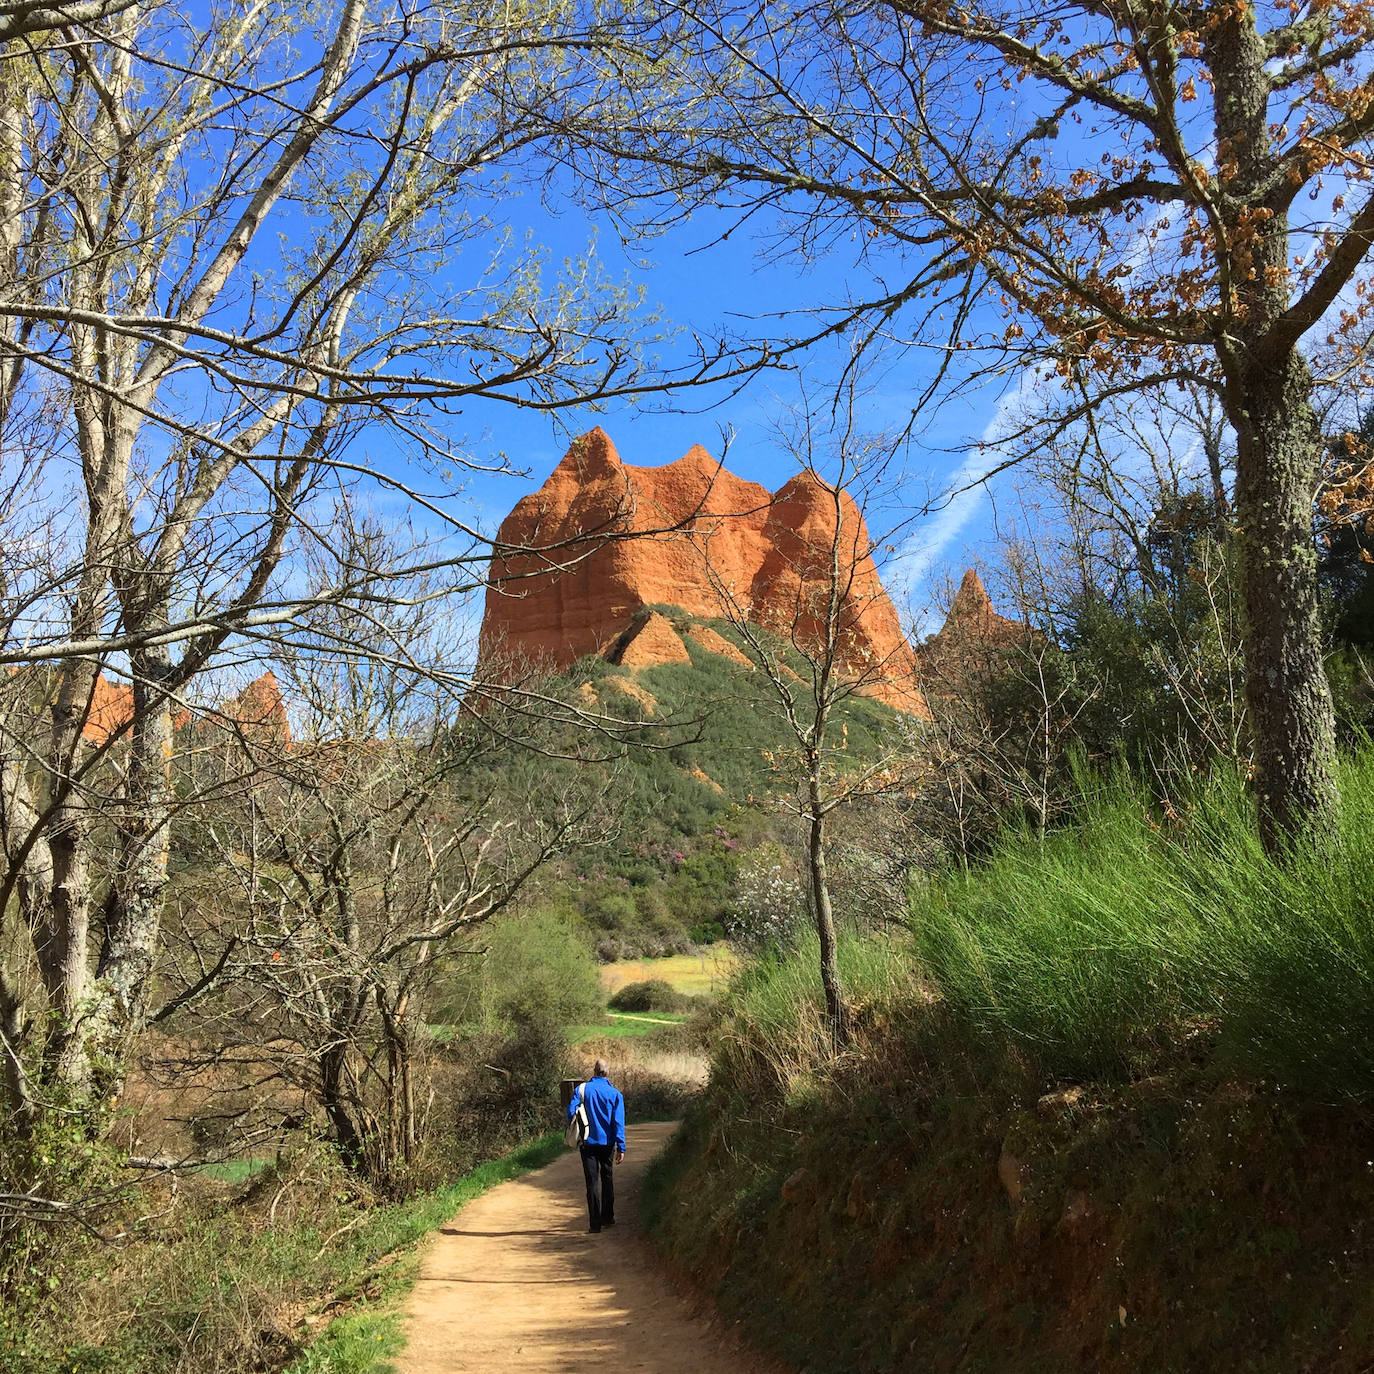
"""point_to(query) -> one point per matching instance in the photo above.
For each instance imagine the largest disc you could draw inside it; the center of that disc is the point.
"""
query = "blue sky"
(697, 284)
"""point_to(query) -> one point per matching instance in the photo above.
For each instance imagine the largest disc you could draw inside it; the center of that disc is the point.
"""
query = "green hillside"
(698, 771)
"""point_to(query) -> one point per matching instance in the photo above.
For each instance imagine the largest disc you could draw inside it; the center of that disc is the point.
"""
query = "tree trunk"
(30, 872)
(393, 1090)
(13, 1072)
(27, 857)
(836, 1008)
(409, 1133)
(1268, 400)
(61, 940)
(1292, 721)
(333, 1070)
(400, 1089)
(129, 948)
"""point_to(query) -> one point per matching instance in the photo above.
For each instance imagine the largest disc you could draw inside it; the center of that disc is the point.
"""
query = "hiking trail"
(516, 1283)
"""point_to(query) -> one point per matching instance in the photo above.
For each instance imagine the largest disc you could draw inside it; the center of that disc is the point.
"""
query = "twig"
(348, 1226)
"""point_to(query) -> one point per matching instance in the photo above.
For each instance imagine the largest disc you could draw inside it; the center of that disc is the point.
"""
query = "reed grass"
(1144, 932)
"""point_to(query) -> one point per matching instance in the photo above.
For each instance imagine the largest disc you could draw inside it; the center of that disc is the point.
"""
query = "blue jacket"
(605, 1112)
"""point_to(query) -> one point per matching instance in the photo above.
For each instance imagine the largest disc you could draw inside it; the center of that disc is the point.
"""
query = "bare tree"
(338, 870)
(230, 252)
(358, 874)
(1121, 548)
(813, 646)
(1005, 701)
(1116, 193)
(1111, 474)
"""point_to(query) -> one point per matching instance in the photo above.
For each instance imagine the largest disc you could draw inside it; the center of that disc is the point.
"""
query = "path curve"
(515, 1283)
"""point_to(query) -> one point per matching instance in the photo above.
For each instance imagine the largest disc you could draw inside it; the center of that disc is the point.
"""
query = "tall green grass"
(1143, 928)
(1142, 934)
(775, 1032)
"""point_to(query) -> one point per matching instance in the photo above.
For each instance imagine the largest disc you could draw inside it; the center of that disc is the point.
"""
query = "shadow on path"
(516, 1283)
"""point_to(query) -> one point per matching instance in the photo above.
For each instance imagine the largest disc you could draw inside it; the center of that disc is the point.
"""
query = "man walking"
(605, 1137)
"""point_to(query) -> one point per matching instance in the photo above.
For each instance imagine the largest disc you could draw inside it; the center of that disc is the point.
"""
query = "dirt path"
(515, 1283)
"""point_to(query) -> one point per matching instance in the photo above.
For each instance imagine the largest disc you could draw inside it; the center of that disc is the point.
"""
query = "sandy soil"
(516, 1283)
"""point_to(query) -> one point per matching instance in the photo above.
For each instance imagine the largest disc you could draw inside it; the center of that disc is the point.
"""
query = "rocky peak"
(970, 644)
(258, 707)
(567, 579)
(971, 614)
(972, 604)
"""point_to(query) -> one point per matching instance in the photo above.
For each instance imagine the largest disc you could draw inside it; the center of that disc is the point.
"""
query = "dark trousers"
(598, 1163)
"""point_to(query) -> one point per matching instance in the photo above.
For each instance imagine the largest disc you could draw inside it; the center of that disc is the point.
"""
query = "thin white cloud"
(965, 494)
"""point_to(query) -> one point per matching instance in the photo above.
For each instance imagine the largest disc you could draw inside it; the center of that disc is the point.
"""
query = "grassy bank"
(301, 1273)
(904, 1213)
(1144, 933)
(1106, 1109)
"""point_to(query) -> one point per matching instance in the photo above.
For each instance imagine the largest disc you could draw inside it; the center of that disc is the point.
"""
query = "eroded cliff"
(579, 559)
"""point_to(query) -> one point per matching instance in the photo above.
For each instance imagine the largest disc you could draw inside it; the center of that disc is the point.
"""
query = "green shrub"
(652, 995)
(538, 970)
(531, 1063)
(1144, 934)
(1084, 948)
(1140, 932)
(608, 908)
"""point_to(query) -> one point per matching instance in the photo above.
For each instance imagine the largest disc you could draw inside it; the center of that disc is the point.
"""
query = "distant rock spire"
(970, 644)
(259, 707)
(971, 602)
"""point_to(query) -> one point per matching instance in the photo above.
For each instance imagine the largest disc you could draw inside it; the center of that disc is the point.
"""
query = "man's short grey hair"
(601, 1069)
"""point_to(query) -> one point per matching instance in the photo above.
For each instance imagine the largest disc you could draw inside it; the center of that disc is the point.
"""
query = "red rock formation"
(568, 579)
(970, 644)
(112, 708)
(816, 536)
(971, 615)
(650, 640)
(258, 707)
(260, 710)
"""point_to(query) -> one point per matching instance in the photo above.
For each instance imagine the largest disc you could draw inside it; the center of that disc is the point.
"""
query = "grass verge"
(298, 1268)
(1106, 1108)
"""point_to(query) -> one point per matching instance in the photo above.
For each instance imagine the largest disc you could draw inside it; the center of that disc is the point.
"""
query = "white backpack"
(577, 1126)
